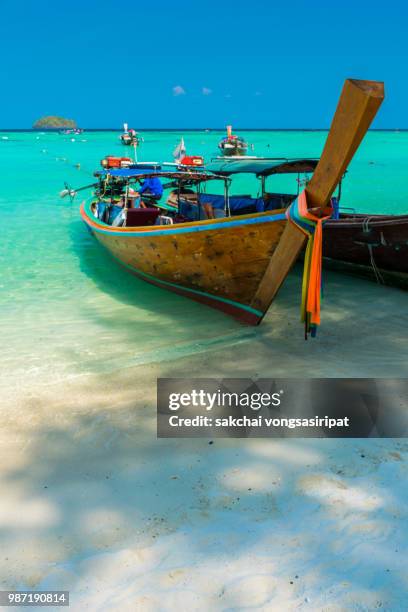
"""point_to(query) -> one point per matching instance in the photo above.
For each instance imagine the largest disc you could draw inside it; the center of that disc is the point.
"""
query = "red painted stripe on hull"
(233, 311)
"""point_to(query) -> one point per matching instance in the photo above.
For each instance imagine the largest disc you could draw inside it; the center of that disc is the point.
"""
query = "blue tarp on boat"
(236, 203)
(130, 172)
(260, 166)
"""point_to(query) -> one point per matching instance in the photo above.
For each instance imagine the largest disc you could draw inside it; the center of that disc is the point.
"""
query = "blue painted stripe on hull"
(185, 230)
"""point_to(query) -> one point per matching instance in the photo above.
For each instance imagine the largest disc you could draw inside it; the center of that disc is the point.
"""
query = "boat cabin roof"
(261, 166)
(193, 176)
(129, 172)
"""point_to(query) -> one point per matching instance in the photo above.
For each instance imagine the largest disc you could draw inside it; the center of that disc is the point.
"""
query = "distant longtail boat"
(232, 145)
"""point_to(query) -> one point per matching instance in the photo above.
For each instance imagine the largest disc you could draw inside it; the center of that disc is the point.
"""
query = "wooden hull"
(219, 262)
(128, 140)
(374, 246)
(234, 151)
(234, 147)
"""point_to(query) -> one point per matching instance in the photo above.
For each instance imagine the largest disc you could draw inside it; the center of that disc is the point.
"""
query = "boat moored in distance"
(72, 131)
(229, 251)
(372, 246)
(232, 145)
(129, 137)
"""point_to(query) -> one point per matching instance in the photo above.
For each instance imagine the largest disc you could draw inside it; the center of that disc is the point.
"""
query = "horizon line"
(199, 129)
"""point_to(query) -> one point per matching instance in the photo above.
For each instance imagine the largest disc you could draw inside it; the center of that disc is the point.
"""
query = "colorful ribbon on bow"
(312, 226)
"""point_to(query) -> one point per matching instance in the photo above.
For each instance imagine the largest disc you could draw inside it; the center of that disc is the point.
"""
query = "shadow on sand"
(94, 503)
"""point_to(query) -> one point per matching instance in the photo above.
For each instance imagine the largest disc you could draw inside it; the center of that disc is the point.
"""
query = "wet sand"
(94, 503)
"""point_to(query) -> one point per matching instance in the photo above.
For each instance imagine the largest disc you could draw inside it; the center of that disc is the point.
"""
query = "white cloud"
(206, 91)
(178, 90)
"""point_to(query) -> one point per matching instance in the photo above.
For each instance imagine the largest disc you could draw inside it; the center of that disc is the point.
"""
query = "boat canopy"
(261, 166)
(194, 176)
(129, 172)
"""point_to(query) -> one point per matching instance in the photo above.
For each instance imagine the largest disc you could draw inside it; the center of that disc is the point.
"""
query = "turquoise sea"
(68, 310)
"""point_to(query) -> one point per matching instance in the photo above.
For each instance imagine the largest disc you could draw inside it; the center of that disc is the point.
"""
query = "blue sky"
(198, 64)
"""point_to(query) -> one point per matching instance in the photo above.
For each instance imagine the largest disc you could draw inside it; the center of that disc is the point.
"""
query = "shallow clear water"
(67, 309)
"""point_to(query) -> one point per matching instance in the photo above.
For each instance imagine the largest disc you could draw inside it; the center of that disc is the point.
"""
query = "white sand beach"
(94, 503)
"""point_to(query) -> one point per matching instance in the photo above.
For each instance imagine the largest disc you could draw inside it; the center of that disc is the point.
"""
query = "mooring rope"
(376, 270)
(374, 266)
(66, 160)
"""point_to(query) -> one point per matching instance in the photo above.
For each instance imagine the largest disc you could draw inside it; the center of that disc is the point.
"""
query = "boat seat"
(181, 219)
(239, 204)
(138, 217)
(274, 201)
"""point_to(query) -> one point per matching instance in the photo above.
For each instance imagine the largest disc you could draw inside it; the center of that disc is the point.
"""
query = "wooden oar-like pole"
(357, 107)
(72, 192)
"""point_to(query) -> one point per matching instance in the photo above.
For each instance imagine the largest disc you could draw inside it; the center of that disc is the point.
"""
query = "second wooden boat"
(372, 246)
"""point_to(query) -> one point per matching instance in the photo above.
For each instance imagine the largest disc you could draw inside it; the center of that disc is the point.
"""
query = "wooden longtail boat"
(372, 246)
(129, 139)
(129, 136)
(70, 131)
(232, 145)
(236, 263)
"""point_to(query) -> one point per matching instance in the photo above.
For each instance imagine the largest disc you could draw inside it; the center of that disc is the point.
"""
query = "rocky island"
(52, 122)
